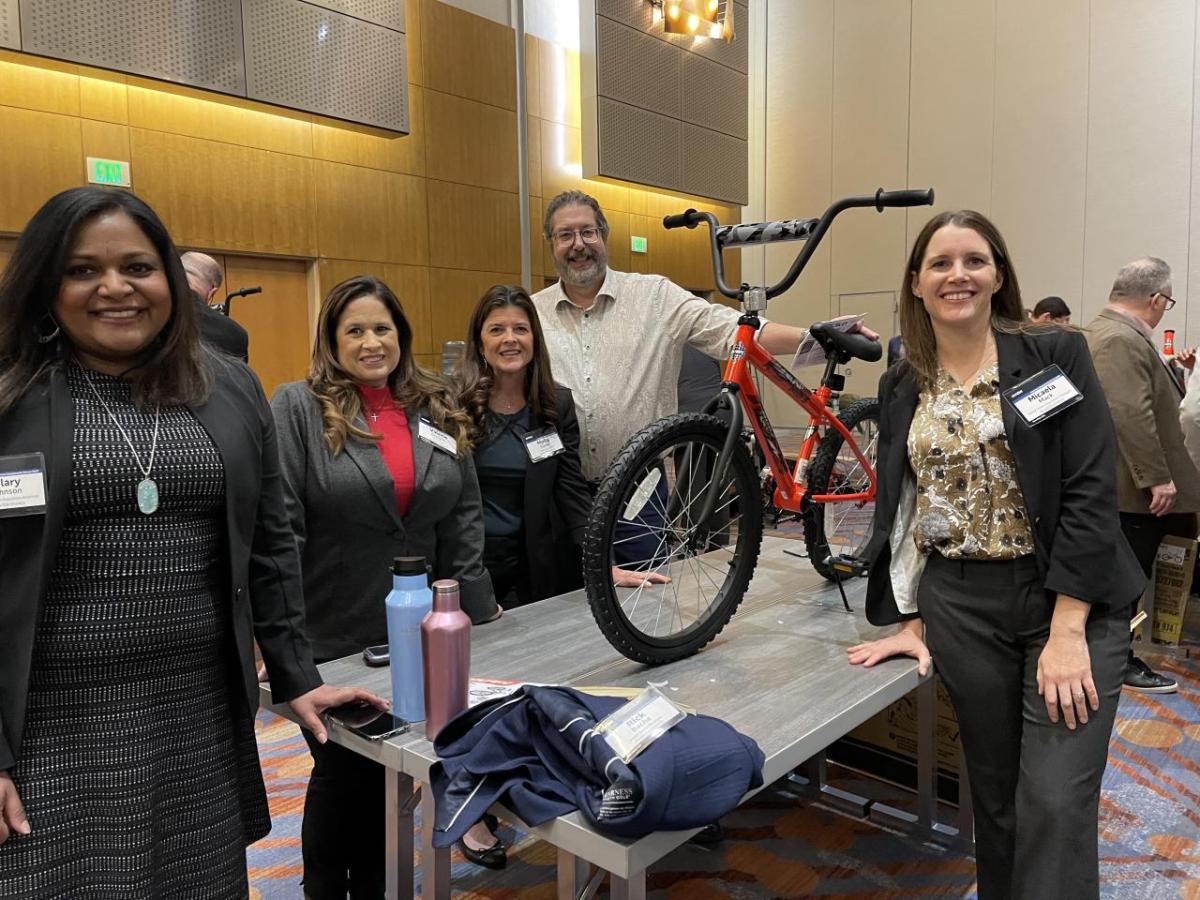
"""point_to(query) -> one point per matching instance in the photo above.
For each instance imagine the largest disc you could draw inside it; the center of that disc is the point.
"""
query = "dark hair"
(916, 330)
(475, 375)
(1055, 307)
(174, 371)
(574, 198)
(410, 385)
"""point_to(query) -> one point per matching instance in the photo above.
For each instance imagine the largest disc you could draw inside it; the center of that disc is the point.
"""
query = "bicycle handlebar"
(809, 230)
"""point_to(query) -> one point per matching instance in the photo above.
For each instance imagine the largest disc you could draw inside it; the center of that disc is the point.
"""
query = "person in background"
(204, 277)
(998, 548)
(895, 350)
(535, 499)
(134, 589)
(1051, 311)
(1158, 488)
(376, 464)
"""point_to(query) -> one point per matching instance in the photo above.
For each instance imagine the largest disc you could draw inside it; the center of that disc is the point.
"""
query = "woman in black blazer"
(376, 465)
(136, 579)
(535, 499)
(997, 541)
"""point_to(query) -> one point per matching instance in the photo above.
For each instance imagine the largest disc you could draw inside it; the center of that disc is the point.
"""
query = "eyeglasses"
(1170, 300)
(566, 237)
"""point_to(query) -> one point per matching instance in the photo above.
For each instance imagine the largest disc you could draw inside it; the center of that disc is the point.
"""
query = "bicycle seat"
(845, 344)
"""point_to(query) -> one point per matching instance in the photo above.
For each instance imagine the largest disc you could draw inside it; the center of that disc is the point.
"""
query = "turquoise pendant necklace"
(147, 489)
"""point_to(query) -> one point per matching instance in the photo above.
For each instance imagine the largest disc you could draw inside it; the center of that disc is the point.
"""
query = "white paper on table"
(810, 353)
(483, 689)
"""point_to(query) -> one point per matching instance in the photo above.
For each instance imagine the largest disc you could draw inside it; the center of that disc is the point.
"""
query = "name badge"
(543, 444)
(1043, 395)
(22, 485)
(437, 437)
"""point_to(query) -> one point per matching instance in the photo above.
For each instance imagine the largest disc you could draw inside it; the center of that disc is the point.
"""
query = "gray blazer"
(348, 528)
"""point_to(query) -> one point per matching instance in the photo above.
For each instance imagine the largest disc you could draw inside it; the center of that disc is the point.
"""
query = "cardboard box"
(1173, 567)
(895, 730)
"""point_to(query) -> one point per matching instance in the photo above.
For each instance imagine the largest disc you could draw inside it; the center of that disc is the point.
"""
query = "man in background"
(1158, 487)
(1051, 310)
(204, 277)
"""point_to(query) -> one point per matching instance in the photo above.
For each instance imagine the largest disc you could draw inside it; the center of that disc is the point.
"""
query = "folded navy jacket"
(537, 752)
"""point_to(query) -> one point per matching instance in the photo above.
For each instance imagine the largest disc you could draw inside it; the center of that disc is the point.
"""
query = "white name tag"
(22, 485)
(437, 437)
(543, 444)
(1041, 396)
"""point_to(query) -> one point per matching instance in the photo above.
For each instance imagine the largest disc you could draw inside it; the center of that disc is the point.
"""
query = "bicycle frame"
(790, 492)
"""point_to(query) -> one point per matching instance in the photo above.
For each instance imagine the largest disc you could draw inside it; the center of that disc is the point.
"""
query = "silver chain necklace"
(147, 490)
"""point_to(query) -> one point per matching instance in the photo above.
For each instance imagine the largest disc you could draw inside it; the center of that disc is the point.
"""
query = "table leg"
(632, 888)
(572, 874)
(398, 831)
(927, 753)
(435, 864)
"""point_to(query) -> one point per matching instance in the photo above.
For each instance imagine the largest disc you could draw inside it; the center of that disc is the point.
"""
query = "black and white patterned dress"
(139, 778)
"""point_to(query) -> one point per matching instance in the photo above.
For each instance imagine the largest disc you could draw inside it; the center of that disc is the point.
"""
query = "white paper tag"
(1042, 395)
(22, 484)
(543, 445)
(437, 437)
(636, 725)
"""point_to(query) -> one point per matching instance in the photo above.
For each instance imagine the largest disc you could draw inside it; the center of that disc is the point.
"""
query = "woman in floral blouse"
(997, 547)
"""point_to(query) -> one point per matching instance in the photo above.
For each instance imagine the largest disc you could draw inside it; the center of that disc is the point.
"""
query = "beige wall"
(1069, 123)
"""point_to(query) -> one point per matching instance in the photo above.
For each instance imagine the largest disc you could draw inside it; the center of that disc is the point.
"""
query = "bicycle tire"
(659, 446)
(832, 473)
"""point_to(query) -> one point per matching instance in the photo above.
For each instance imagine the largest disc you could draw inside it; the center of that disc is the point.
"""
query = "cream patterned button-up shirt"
(621, 357)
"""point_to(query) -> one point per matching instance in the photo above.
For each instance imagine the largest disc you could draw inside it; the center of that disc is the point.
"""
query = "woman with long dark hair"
(143, 549)
(377, 464)
(998, 548)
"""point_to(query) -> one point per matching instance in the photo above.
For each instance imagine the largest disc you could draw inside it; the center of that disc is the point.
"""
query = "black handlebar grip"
(863, 347)
(903, 198)
(688, 219)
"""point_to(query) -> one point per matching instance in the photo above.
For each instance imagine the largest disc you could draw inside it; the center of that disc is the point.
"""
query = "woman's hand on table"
(908, 641)
(628, 578)
(308, 707)
(12, 813)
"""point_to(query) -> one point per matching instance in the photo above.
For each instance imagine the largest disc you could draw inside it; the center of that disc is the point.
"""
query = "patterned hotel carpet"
(781, 845)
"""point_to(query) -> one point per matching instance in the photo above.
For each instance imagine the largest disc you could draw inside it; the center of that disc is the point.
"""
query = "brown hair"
(916, 329)
(411, 386)
(475, 375)
(173, 370)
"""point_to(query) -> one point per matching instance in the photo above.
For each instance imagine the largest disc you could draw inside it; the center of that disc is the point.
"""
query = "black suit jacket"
(262, 581)
(1066, 466)
(557, 503)
(222, 332)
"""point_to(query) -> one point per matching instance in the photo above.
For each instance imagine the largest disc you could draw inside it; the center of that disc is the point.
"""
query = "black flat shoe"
(494, 857)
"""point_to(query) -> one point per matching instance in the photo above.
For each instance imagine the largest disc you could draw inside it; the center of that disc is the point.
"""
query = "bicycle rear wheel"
(842, 529)
(645, 518)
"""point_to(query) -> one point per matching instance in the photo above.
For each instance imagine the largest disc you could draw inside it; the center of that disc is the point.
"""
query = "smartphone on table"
(377, 655)
(366, 721)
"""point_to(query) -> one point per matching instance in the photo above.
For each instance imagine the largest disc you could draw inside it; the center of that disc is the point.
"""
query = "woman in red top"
(376, 462)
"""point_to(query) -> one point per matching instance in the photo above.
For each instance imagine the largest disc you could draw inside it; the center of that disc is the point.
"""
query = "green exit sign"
(108, 171)
(637, 244)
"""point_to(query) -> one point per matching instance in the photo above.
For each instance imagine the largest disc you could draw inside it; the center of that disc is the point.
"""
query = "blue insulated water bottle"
(409, 601)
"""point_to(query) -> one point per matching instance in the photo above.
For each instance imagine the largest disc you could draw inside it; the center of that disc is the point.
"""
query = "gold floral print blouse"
(969, 505)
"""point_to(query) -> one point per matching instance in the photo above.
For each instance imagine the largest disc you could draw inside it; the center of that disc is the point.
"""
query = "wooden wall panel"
(471, 142)
(52, 86)
(453, 295)
(361, 146)
(104, 139)
(950, 118)
(870, 138)
(370, 215)
(1041, 144)
(103, 96)
(49, 151)
(468, 56)
(562, 168)
(414, 30)
(1139, 144)
(473, 228)
(276, 319)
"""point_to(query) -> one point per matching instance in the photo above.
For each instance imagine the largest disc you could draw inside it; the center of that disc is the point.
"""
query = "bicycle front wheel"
(646, 519)
(842, 529)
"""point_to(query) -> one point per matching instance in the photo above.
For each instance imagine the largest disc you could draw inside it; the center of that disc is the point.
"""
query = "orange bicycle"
(684, 498)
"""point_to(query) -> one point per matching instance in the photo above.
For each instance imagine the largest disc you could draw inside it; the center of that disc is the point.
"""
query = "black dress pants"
(342, 837)
(1035, 784)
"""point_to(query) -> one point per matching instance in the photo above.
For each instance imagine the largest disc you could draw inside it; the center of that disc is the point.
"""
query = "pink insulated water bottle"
(446, 652)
